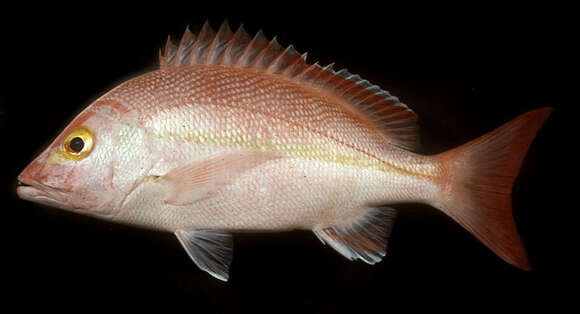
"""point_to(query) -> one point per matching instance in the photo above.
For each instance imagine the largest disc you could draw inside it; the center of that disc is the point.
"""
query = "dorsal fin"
(394, 119)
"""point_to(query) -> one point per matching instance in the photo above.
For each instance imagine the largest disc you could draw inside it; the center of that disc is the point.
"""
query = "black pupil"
(77, 144)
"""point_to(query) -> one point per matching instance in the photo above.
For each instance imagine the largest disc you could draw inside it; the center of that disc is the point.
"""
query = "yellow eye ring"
(78, 144)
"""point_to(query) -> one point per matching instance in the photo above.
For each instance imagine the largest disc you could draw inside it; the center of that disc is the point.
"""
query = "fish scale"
(236, 133)
(290, 109)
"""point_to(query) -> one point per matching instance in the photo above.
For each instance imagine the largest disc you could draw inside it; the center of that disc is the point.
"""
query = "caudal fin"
(477, 181)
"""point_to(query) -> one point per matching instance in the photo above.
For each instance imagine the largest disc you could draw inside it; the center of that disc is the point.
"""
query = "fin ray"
(240, 50)
(183, 54)
(217, 47)
(479, 176)
(365, 239)
(199, 179)
(210, 250)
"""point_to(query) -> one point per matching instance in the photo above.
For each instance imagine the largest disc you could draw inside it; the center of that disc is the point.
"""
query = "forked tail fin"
(477, 181)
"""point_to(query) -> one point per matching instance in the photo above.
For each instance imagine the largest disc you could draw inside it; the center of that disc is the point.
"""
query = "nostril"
(20, 183)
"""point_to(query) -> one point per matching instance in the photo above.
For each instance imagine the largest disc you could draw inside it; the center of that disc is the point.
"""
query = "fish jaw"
(54, 197)
(34, 191)
(36, 183)
(54, 187)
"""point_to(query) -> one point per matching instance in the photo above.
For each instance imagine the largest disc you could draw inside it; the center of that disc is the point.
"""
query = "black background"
(464, 70)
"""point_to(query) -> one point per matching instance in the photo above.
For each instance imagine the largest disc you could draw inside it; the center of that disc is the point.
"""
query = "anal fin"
(365, 239)
(210, 250)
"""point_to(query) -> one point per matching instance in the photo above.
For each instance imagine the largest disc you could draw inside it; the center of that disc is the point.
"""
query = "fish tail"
(477, 180)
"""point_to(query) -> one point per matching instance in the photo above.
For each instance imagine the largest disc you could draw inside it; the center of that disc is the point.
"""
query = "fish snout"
(39, 180)
(27, 176)
(28, 187)
(31, 170)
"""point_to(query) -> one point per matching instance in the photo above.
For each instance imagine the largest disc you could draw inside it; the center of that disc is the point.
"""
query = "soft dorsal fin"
(394, 119)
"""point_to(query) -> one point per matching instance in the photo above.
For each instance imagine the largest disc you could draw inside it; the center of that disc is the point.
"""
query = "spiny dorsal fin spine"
(199, 47)
(183, 54)
(268, 54)
(280, 64)
(236, 45)
(384, 111)
(309, 73)
(170, 50)
(302, 71)
(295, 65)
(312, 73)
(324, 74)
(216, 48)
(264, 58)
(253, 49)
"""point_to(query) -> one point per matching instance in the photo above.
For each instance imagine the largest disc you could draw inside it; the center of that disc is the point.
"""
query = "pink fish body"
(236, 133)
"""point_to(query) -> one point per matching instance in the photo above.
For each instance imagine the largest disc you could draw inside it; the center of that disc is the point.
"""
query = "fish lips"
(37, 192)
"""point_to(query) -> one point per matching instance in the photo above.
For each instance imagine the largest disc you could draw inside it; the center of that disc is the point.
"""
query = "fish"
(235, 133)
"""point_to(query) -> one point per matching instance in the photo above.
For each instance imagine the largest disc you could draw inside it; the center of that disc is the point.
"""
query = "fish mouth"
(40, 193)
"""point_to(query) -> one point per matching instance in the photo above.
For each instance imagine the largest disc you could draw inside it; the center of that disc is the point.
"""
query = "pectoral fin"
(197, 180)
(210, 250)
(364, 239)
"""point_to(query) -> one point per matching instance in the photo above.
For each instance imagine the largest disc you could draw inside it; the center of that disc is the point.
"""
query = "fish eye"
(78, 143)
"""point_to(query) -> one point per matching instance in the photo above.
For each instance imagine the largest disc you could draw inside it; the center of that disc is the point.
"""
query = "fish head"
(91, 166)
